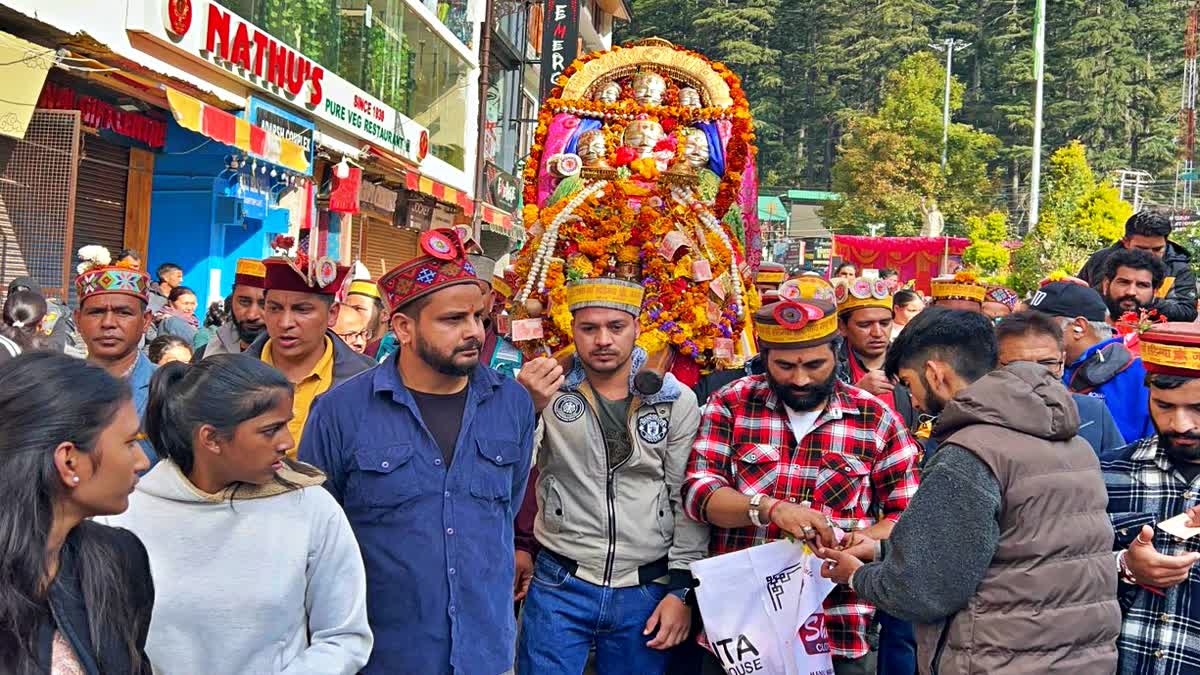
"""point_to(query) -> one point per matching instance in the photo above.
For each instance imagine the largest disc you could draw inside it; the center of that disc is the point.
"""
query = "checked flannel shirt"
(1160, 634)
(858, 464)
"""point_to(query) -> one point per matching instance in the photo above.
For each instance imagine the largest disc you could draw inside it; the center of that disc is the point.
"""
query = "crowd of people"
(334, 475)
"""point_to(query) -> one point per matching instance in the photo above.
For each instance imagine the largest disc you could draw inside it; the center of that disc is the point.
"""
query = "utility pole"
(875, 228)
(949, 45)
(1039, 68)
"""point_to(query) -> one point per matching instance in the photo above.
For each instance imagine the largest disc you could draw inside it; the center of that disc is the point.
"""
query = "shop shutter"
(100, 195)
(384, 245)
(37, 181)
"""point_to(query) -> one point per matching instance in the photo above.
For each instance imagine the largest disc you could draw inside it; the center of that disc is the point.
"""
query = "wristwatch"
(755, 501)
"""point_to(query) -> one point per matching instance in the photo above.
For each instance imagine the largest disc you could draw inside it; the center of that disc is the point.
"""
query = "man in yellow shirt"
(299, 312)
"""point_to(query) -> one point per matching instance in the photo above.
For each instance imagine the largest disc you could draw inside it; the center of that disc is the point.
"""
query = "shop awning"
(501, 222)
(771, 208)
(225, 128)
(439, 191)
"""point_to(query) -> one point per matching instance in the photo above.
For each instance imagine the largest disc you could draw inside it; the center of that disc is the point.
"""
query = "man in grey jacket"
(616, 544)
(1004, 555)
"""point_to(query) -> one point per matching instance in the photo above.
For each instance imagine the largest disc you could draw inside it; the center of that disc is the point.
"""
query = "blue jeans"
(897, 646)
(564, 617)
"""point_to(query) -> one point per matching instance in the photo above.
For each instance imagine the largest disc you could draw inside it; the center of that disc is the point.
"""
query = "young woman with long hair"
(256, 567)
(75, 595)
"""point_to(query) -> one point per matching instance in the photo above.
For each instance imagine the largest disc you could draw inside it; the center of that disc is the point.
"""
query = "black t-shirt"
(443, 414)
(1189, 470)
(614, 424)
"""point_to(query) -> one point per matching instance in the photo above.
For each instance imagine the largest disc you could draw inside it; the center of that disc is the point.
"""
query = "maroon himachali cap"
(443, 263)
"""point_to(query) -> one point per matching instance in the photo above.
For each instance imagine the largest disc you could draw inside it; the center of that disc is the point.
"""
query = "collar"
(670, 391)
(386, 379)
(1148, 451)
(143, 370)
(1087, 354)
(323, 370)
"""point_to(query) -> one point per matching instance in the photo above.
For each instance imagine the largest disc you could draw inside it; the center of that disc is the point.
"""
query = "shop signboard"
(215, 36)
(503, 189)
(560, 40)
(285, 125)
(254, 201)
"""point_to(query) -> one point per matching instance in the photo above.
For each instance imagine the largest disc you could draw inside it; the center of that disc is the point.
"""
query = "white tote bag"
(762, 610)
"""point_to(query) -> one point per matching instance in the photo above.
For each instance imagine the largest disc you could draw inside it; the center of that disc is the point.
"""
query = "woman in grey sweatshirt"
(254, 571)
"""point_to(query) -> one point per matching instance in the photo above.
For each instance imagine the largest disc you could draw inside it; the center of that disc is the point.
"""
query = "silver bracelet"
(754, 503)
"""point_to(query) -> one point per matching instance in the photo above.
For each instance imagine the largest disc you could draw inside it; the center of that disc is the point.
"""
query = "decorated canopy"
(642, 169)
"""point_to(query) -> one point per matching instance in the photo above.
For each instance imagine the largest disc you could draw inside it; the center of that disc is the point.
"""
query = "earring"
(75, 479)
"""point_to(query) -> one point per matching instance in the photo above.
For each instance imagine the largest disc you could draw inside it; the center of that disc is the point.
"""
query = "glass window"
(384, 48)
(438, 91)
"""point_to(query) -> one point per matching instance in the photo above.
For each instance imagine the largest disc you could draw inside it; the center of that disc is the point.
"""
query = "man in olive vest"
(1004, 556)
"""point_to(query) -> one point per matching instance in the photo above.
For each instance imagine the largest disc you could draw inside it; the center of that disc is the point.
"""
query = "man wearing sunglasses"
(1038, 338)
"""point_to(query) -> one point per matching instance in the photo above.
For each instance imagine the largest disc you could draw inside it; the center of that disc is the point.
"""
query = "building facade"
(195, 131)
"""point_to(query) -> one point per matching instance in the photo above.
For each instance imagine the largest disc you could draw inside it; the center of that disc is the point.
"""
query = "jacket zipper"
(611, 490)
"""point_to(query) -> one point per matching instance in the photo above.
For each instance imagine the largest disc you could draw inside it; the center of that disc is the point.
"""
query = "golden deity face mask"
(695, 150)
(609, 93)
(643, 135)
(648, 88)
(689, 98)
(592, 149)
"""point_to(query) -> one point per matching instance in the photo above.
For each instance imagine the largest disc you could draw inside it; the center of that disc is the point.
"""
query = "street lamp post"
(1039, 67)
(949, 45)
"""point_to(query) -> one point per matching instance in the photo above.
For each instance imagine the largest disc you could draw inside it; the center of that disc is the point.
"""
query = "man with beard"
(429, 455)
(299, 309)
(245, 321)
(610, 521)
(1150, 482)
(1148, 231)
(1003, 557)
(1097, 364)
(794, 452)
(1130, 279)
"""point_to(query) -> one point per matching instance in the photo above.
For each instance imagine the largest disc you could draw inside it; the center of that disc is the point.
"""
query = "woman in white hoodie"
(255, 566)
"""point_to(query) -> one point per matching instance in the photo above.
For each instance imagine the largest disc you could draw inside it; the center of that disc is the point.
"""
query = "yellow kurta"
(314, 384)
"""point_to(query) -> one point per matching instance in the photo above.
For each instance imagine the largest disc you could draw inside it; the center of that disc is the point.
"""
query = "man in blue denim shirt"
(112, 318)
(429, 455)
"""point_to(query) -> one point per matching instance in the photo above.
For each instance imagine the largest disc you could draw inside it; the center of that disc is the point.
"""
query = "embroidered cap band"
(443, 263)
(604, 292)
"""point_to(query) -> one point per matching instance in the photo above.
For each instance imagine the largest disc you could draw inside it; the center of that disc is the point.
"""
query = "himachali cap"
(1002, 295)
(808, 287)
(250, 272)
(1172, 349)
(605, 292)
(485, 267)
(770, 273)
(862, 293)
(795, 325)
(961, 286)
(97, 276)
(501, 284)
(443, 263)
(365, 287)
(282, 274)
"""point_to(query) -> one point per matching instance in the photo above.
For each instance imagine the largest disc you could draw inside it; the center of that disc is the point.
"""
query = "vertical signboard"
(560, 40)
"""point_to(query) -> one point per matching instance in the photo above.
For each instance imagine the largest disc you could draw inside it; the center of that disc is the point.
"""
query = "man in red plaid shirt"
(795, 451)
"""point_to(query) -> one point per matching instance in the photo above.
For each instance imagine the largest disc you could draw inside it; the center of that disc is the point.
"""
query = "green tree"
(1080, 216)
(987, 252)
(890, 161)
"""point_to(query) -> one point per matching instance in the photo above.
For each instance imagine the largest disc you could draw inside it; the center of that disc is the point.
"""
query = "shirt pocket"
(492, 475)
(552, 507)
(386, 476)
(755, 468)
(841, 481)
(1127, 526)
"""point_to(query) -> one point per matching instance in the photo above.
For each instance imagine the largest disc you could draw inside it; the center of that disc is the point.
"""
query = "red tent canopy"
(918, 258)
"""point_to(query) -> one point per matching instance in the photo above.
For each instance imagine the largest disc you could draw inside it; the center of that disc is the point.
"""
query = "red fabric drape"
(917, 258)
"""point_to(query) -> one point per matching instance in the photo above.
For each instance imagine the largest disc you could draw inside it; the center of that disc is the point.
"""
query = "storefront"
(77, 174)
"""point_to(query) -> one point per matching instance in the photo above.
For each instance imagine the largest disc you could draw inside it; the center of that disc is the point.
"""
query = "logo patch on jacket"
(651, 427)
(568, 407)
